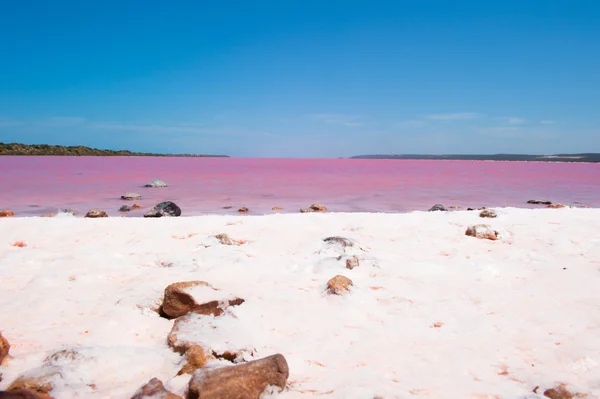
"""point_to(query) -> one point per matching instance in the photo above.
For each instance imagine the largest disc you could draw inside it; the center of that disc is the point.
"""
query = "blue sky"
(303, 78)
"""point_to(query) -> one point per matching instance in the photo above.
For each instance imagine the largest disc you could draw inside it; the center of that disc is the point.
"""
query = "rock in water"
(539, 202)
(131, 196)
(154, 389)
(96, 213)
(244, 381)
(125, 208)
(339, 285)
(166, 208)
(314, 208)
(4, 348)
(156, 184)
(438, 207)
(482, 231)
(243, 210)
(6, 213)
(488, 213)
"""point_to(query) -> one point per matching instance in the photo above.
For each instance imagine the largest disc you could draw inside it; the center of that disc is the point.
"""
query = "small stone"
(438, 207)
(96, 213)
(4, 348)
(314, 208)
(488, 213)
(131, 196)
(178, 301)
(6, 213)
(352, 262)
(195, 359)
(243, 210)
(338, 285)
(276, 208)
(136, 206)
(226, 240)
(156, 184)
(343, 241)
(244, 381)
(125, 208)
(167, 209)
(539, 202)
(482, 231)
(154, 389)
(561, 392)
(556, 206)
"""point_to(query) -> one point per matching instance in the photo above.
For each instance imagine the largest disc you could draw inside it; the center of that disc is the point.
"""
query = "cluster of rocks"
(314, 208)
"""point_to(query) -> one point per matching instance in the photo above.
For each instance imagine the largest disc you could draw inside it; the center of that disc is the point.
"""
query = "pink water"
(38, 185)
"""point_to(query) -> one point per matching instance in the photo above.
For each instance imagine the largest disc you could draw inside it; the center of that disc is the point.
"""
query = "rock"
(539, 202)
(482, 231)
(38, 386)
(193, 296)
(276, 208)
(195, 359)
(244, 381)
(166, 208)
(131, 196)
(243, 210)
(343, 241)
(125, 208)
(314, 208)
(352, 262)
(6, 213)
(22, 394)
(561, 392)
(556, 206)
(136, 206)
(96, 213)
(226, 240)
(154, 389)
(4, 348)
(488, 213)
(438, 207)
(338, 285)
(156, 184)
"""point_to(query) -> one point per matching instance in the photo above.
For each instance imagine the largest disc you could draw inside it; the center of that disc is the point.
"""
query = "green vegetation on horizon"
(80, 150)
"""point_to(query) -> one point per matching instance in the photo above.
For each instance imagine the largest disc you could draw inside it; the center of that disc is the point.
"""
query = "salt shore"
(432, 313)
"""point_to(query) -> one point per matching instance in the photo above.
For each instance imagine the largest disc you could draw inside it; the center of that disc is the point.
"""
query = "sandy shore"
(432, 313)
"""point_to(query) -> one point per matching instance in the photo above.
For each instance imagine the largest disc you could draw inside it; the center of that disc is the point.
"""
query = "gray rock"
(131, 196)
(438, 207)
(156, 183)
(125, 208)
(167, 208)
(539, 202)
(488, 213)
(96, 213)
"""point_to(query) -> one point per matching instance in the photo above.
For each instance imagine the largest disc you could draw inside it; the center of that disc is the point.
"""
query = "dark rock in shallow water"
(166, 208)
(156, 183)
(125, 208)
(539, 202)
(438, 207)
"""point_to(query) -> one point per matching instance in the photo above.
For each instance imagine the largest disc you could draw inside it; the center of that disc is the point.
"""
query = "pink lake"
(37, 185)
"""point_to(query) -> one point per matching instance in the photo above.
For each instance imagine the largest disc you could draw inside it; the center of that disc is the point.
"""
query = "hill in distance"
(587, 157)
(60, 150)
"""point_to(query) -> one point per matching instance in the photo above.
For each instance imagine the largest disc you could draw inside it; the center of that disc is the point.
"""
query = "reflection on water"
(207, 185)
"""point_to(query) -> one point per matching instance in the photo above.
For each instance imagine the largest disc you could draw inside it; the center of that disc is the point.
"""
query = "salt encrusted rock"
(125, 208)
(438, 207)
(156, 184)
(488, 213)
(193, 296)
(243, 210)
(248, 380)
(339, 285)
(38, 386)
(22, 394)
(561, 392)
(131, 196)
(166, 208)
(343, 241)
(226, 240)
(314, 208)
(539, 202)
(482, 231)
(4, 347)
(195, 359)
(154, 389)
(6, 213)
(96, 213)
(352, 262)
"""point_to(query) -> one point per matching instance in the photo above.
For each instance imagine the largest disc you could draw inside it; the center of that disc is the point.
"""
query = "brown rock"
(6, 213)
(556, 206)
(136, 206)
(338, 285)
(37, 385)
(243, 210)
(244, 381)
(482, 231)
(177, 302)
(488, 213)
(195, 359)
(96, 213)
(154, 389)
(276, 208)
(131, 196)
(561, 392)
(352, 262)
(314, 208)
(22, 394)
(226, 240)
(4, 348)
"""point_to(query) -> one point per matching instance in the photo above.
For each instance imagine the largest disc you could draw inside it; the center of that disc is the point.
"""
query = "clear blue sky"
(303, 78)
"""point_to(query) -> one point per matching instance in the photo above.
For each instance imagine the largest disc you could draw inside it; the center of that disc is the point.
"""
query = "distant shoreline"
(17, 149)
(581, 158)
